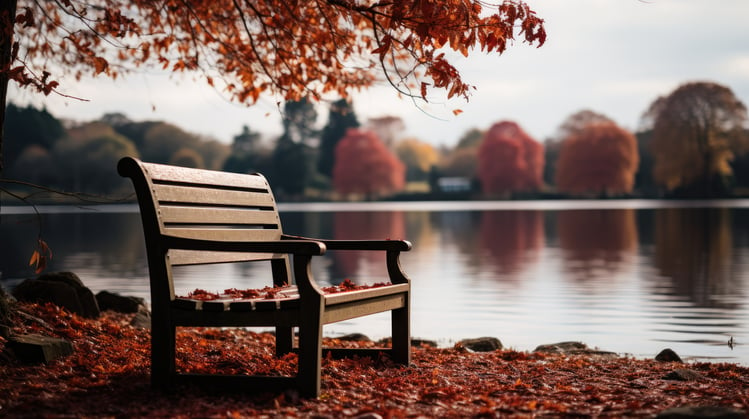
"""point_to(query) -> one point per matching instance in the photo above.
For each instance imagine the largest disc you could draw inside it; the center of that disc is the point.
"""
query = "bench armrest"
(383, 245)
(300, 247)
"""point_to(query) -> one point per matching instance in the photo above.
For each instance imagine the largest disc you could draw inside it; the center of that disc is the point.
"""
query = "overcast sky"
(610, 56)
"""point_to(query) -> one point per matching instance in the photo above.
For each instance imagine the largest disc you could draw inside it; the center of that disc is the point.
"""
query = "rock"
(419, 343)
(369, 415)
(668, 355)
(119, 303)
(683, 374)
(416, 342)
(142, 319)
(483, 344)
(355, 337)
(572, 348)
(37, 349)
(561, 347)
(64, 289)
(702, 412)
(4, 308)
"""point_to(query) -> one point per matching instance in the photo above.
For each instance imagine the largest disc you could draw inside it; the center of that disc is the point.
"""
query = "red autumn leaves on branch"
(293, 49)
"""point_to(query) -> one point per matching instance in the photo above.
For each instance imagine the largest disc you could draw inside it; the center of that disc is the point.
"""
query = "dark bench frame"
(193, 216)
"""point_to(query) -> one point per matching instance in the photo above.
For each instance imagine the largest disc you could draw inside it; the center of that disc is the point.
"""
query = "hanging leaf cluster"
(293, 49)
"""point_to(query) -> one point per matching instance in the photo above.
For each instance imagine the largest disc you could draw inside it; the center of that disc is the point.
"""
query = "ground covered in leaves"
(108, 376)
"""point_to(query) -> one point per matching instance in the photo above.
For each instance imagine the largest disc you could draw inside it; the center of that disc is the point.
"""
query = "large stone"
(483, 344)
(64, 289)
(683, 374)
(573, 348)
(119, 303)
(142, 319)
(562, 347)
(37, 349)
(668, 355)
(4, 308)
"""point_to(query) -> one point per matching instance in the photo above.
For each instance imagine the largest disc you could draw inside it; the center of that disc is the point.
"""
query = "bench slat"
(160, 172)
(348, 296)
(225, 216)
(228, 234)
(203, 195)
(180, 257)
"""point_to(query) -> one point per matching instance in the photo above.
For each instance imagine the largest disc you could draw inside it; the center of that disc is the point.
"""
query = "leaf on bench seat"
(268, 298)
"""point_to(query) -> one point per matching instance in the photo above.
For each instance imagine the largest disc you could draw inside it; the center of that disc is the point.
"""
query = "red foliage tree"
(509, 160)
(363, 165)
(601, 158)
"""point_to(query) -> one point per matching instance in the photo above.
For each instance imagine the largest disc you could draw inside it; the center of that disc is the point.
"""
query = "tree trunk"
(7, 20)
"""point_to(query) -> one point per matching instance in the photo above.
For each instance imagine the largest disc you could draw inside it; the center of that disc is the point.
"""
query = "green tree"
(213, 152)
(471, 138)
(29, 126)
(697, 130)
(293, 157)
(187, 157)
(34, 165)
(162, 140)
(248, 155)
(86, 160)
(291, 168)
(418, 156)
(299, 119)
(340, 119)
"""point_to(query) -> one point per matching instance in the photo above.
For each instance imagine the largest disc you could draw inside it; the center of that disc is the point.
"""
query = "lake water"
(633, 277)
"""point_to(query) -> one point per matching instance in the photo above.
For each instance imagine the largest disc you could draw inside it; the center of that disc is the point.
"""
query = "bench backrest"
(202, 204)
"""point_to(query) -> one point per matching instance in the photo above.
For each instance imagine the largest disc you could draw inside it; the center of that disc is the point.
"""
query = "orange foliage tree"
(509, 160)
(601, 158)
(363, 165)
(697, 130)
(291, 49)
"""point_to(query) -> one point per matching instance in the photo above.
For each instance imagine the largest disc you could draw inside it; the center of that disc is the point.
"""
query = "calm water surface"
(632, 277)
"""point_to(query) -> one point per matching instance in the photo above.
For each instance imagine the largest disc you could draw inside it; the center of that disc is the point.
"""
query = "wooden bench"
(193, 216)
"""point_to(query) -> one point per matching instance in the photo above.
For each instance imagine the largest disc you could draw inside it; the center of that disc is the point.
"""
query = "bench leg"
(310, 353)
(162, 355)
(401, 330)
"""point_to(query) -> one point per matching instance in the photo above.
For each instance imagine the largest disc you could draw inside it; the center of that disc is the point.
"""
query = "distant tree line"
(691, 143)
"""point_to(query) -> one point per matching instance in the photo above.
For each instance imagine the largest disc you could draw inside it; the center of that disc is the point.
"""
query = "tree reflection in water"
(693, 248)
(596, 243)
(512, 239)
